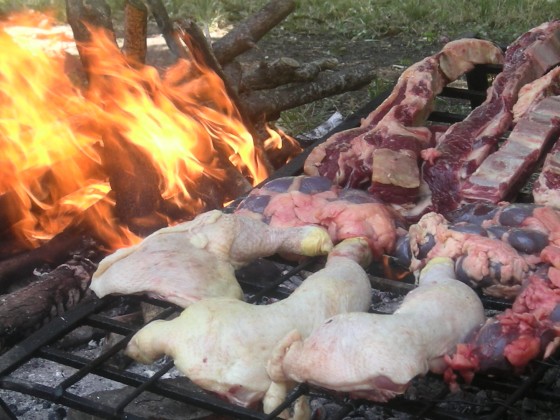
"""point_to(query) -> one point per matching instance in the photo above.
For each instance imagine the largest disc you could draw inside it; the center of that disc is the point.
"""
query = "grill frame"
(90, 312)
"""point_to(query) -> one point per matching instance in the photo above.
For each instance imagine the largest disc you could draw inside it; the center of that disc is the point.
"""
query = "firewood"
(246, 34)
(135, 182)
(53, 252)
(281, 71)
(96, 13)
(165, 25)
(28, 308)
(201, 50)
(268, 103)
(135, 30)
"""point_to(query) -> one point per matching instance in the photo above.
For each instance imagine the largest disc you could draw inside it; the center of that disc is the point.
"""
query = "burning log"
(270, 102)
(54, 252)
(202, 51)
(136, 30)
(26, 309)
(135, 182)
(247, 33)
(88, 12)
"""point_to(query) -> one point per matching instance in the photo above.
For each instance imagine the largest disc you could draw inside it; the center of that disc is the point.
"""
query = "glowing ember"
(55, 135)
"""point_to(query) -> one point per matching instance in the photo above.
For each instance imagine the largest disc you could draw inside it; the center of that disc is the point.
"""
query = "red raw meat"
(467, 143)
(383, 154)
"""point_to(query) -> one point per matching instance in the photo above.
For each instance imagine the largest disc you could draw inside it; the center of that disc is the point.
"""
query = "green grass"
(425, 20)
(500, 20)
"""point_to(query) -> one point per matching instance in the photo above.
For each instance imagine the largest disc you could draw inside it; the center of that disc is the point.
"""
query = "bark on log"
(26, 309)
(281, 71)
(245, 34)
(135, 44)
(267, 104)
(159, 12)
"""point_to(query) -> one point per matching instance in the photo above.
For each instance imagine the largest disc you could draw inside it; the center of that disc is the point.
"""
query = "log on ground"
(28, 308)
(268, 103)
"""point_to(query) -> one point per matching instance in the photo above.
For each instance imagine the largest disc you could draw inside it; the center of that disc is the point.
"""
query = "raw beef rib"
(383, 154)
(463, 147)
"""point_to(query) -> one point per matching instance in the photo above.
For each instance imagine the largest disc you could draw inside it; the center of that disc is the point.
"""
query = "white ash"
(45, 372)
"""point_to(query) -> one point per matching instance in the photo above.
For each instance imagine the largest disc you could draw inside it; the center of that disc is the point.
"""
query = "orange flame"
(52, 132)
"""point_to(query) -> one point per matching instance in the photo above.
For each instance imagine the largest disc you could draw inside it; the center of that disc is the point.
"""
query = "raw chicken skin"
(223, 344)
(197, 259)
(376, 356)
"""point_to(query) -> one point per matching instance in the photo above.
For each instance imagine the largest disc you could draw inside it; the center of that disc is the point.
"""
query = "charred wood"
(135, 30)
(54, 252)
(135, 182)
(81, 13)
(247, 33)
(267, 104)
(26, 309)
(281, 150)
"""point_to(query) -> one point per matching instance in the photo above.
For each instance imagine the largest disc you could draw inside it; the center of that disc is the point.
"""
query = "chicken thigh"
(223, 344)
(376, 356)
(198, 259)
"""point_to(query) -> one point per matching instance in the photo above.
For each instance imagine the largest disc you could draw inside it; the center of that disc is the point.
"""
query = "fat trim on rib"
(463, 147)
(383, 154)
(502, 174)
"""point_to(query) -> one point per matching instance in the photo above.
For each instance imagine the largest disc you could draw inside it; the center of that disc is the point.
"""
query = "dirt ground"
(390, 56)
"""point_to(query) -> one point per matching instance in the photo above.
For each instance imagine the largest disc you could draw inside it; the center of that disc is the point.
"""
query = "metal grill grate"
(515, 397)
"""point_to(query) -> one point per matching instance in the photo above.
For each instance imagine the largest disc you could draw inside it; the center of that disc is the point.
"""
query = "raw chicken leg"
(376, 356)
(197, 259)
(223, 344)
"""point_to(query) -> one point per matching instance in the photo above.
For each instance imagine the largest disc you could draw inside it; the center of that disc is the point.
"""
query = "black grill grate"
(535, 394)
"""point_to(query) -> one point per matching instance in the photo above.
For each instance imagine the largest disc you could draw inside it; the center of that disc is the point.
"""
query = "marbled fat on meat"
(467, 143)
(383, 155)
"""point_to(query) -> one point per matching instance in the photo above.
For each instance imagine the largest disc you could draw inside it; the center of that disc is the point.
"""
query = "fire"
(56, 135)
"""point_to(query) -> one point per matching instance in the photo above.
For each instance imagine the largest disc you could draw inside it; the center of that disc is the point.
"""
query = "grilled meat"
(494, 247)
(507, 342)
(383, 154)
(463, 147)
(502, 174)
